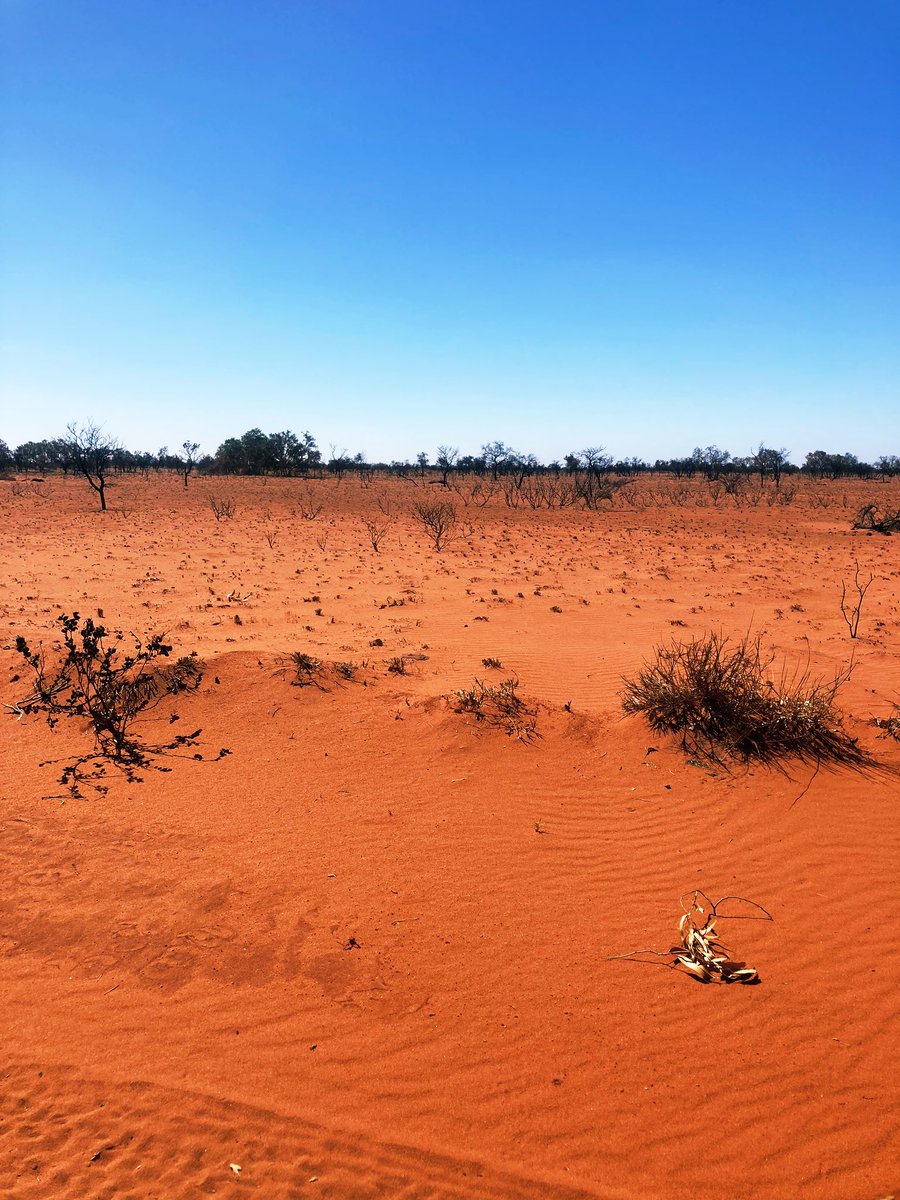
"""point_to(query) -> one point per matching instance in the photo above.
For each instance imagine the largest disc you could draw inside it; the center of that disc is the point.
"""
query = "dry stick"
(809, 784)
(727, 916)
(851, 612)
(631, 954)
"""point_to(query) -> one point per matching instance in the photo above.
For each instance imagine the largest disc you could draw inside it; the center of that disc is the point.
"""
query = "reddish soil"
(367, 954)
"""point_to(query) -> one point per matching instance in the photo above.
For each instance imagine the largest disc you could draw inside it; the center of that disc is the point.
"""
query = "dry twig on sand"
(701, 953)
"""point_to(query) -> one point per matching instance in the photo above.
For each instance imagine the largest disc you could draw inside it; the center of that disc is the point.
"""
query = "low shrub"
(92, 676)
(185, 674)
(722, 700)
(222, 507)
(439, 519)
(499, 706)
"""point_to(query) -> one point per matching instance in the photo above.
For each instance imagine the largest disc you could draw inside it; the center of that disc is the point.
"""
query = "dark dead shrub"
(871, 518)
(438, 519)
(185, 674)
(107, 680)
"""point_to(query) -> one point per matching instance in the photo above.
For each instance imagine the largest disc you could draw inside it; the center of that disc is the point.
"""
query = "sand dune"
(366, 954)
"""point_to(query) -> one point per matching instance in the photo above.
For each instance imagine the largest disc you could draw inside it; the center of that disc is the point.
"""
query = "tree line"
(90, 451)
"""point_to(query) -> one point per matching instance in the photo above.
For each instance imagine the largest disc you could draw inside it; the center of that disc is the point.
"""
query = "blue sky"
(643, 223)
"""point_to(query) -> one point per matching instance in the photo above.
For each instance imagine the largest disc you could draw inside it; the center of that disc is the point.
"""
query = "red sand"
(178, 994)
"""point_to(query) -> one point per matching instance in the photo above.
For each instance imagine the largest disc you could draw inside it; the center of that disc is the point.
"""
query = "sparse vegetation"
(307, 669)
(701, 953)
(723, 702)
(376, 529)
(189, 461)
(184, 675)
(90, 452)
(222, 507)
(889, 726)
(438, 519)
(499, 706)
(309, 506)
(92, 677)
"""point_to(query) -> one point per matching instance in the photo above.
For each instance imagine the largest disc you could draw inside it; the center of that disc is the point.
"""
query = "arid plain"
(368, 953)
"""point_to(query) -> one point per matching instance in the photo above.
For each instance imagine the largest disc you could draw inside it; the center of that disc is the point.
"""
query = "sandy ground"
(366, 954)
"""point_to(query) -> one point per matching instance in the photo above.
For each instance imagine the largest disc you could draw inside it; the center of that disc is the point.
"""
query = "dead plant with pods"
(700, 952)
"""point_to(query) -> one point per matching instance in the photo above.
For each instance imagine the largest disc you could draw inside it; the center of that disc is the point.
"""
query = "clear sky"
(648, 224)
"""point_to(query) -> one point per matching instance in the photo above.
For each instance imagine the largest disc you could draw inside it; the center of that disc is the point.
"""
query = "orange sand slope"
(366, 954)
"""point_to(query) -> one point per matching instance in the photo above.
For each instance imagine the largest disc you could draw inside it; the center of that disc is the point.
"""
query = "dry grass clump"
(307, 669)
(498, 705)
(185, 674)
(701, 953)
(722, 701)
(344, 669)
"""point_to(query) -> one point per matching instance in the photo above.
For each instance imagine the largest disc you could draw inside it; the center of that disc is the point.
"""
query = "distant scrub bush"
(438, 519)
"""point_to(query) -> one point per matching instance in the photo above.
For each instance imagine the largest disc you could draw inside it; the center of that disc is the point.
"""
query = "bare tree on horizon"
(190, 449)
(90, 451)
